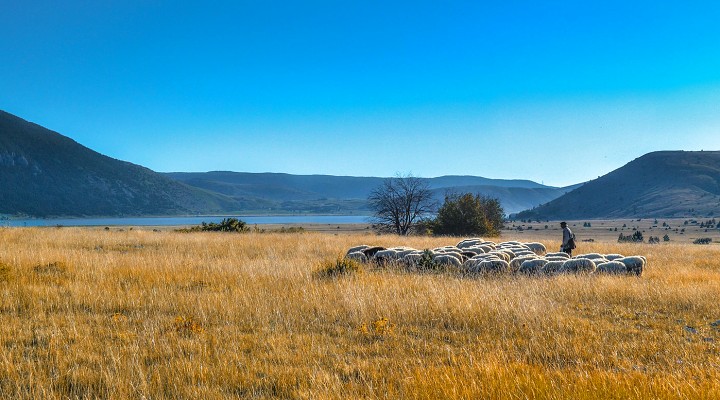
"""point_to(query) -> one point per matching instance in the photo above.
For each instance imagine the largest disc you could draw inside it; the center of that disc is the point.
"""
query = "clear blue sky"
(554, 91)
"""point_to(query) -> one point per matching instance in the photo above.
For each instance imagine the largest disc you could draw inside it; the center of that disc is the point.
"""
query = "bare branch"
(400, 203)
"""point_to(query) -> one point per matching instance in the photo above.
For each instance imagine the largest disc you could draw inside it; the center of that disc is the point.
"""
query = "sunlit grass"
(132, 314)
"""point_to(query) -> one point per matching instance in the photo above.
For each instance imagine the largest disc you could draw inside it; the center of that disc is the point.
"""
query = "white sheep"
(501, 255)
(357, 256)
(448, 260)
(537, 248)
(635, 264)
(492, 267)
(357, 248)
(469, 242)
(517, 261)
(611, 257)
(385, 256)
(612, 268)
(371, 251)
(553, 267)
(532, 267)
(558, 254)
(589, 256)
(578, 265)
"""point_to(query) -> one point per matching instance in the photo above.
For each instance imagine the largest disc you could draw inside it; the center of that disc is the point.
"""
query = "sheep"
(468, 254)
(357, 256)
(552, 267)
(448, 249)
(555, 258)
(577, 265)
(371, 251)
(492, 267)
(469, 264)
(406, 251)
(479, 255)
(537, 248)
(525, 253)
(611, 267)
(532, 267)
(485, 248)
(386, 256)
(517, 261)
(635, 264)
(473, 250)
(357, 248)
(483, 257)
(469, 242)
(589, 256)
(508, 252)
(558, 254)
(501, 255)
(458, 256)
(447, 260)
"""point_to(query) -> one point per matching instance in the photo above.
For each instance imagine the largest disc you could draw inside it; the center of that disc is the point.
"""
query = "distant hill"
(43, 174)
(659, 184)
(347, 194)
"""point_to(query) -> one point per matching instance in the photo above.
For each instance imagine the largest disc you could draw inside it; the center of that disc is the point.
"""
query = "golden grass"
(140, 314)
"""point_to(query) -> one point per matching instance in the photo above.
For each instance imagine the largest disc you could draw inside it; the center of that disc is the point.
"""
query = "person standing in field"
(568, 243)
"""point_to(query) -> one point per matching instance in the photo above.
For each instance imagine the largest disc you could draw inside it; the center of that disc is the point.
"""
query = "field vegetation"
(93, 313)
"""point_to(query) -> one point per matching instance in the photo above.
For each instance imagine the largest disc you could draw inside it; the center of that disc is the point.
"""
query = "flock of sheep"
(481, 256)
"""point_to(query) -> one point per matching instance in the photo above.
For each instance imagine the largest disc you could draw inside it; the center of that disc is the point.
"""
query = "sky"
(559, 92)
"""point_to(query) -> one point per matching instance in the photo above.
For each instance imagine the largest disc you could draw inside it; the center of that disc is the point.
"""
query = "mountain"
(273, 192)
(659, 184)
(43, 174)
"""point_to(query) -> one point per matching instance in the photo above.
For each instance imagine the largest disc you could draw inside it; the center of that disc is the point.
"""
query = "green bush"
(467, 215)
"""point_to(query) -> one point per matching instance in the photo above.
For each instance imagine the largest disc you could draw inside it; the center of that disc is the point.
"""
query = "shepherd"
(568, 243)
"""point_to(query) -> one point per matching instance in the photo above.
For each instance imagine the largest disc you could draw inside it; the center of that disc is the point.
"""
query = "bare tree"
(400, 203)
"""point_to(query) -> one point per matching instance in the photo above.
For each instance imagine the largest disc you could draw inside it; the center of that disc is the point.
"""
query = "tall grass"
(140, 314)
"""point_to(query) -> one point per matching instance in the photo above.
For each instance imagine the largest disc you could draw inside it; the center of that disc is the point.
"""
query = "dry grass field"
(89, 313)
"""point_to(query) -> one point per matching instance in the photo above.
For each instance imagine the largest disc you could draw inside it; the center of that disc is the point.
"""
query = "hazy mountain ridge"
(293, 192)
(658, 184)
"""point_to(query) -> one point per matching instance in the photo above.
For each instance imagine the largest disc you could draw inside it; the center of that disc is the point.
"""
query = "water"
(183, 221)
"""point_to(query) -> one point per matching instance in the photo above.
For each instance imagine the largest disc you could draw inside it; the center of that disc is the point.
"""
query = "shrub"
(226, 225)
(467, 215)
(636, 237)
(426, 262)
(702, 241)
(338, 267)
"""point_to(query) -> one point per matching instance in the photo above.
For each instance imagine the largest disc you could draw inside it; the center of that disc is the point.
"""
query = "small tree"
(469, 214)
(400, 203)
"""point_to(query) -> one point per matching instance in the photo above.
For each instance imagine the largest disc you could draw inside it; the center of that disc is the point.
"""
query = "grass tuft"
(338, 267)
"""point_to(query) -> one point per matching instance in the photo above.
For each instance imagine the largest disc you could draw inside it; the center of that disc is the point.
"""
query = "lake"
(183, 221)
